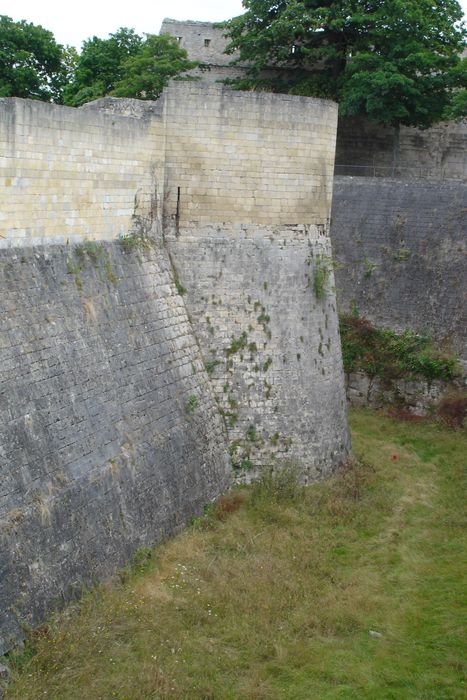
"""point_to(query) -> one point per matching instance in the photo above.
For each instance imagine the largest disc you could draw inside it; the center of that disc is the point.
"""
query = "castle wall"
(110, 438)
(401, 253)
(247, 157)
(67, 174)
(120, 391)
(203, 41)
(109, 435)
(247, 218)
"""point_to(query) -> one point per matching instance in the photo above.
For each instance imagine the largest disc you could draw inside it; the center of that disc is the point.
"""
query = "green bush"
(382, 353)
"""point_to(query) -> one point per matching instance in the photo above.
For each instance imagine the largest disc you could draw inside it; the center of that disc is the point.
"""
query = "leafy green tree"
(393, 61)
(457, 108)
(31, 62)
(100, 66)
(147, 73)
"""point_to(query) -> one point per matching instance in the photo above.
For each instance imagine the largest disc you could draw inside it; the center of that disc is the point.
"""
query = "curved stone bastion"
(167, 319)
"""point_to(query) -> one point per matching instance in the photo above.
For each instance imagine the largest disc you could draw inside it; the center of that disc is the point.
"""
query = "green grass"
(274, 593)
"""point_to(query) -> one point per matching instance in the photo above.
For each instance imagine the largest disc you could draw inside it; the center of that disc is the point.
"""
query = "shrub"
(379, 352)
(137, 240)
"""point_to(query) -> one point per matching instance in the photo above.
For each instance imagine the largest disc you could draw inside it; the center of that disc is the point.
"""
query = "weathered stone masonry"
(250, 232)
(99, 452)
(111, 435)
(401, 249)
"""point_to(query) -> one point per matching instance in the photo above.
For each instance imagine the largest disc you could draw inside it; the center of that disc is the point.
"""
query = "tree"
(147, 73)
(393, 61)
(99, 67)
(31, 62)
(457, 108)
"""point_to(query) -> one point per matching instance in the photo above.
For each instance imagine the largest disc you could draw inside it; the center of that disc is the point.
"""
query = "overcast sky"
(74, 21)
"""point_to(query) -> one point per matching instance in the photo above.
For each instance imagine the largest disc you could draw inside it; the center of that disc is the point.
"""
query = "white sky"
(73, 22)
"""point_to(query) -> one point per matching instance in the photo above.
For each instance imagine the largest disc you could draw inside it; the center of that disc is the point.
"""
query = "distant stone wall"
(110, 438)
(206, 44)
(401, 251)
(416, 397)
(203, 41)
(366, 149)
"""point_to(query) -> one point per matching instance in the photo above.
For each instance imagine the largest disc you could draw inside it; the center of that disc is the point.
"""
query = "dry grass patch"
(346, 589)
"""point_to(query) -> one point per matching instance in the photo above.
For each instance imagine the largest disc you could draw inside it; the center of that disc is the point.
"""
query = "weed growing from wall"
(136, 240)
(210, 365)
(192, 404)
(323, 269)
(93, 253)
(402, 254)
(369, 268)
(237, 344)
(178, 285)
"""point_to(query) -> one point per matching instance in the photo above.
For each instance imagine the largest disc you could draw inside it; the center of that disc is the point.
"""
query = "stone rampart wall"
(251, 175)
(68, 174)
(401, 251)
(248, 157)
(272, 348)
(110, 433)
(364, 149)
(110, 438)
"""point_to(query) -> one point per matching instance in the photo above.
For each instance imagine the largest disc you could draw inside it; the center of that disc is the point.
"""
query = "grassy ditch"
(348, 589)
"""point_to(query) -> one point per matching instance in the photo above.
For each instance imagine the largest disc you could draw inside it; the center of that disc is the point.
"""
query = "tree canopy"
(32, 64)
(126, 65)
(99, 66)
(145, 74)
(394, 61)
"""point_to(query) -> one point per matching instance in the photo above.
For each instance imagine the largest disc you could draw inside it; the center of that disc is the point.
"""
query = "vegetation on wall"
(322, 273)
(394, 62)
(382, 353)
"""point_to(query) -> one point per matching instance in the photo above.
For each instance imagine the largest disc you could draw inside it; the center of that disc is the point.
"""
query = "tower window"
(207, 42)
(179, 39)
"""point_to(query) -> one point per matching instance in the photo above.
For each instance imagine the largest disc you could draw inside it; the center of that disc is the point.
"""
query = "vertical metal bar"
(177, 214)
